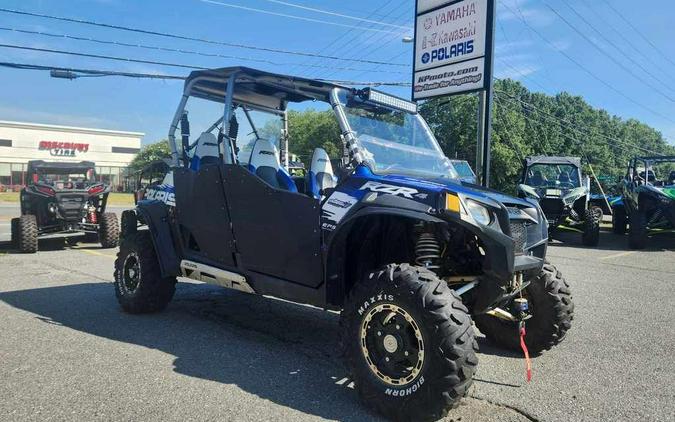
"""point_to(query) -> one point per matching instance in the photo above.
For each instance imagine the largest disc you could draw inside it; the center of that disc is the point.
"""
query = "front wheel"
(109, 230)
(591, 234)
(552, 310)
(637, 230)
(139, 285)
(619, 220)
(408, 343)
(27, 234)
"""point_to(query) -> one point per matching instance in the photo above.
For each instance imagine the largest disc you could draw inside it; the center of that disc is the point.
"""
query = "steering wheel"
(567, 185)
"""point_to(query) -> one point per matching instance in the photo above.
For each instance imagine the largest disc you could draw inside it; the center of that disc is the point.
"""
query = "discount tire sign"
(451, 44)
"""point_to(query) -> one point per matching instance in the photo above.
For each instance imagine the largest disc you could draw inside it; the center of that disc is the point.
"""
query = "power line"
(183, 51)
(589, 72)
(647, 40)
(27, 66)
(187, 38)
(327, 12)
(286, 15)
(603, 52)
(625, 39)
(567, 124)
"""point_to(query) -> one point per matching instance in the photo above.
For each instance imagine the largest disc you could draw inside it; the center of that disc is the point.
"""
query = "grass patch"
(9, 196)
(113, 199)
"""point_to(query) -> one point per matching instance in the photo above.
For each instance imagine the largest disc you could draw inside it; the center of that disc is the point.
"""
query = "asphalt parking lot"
(67, 352)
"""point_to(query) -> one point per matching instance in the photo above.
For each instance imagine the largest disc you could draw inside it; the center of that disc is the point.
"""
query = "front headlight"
(479, 213)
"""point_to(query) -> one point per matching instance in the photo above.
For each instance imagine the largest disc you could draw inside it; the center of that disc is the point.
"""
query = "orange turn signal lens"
(452, 202)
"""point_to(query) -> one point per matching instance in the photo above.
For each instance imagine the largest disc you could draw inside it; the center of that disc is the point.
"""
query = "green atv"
(647, 204)
(563, 195)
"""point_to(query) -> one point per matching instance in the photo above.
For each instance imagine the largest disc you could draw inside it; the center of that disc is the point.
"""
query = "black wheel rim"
(131, 273)
(392, 344)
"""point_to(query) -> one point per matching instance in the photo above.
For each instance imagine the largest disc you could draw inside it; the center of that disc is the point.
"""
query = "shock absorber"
(428, 251)
(93, 218)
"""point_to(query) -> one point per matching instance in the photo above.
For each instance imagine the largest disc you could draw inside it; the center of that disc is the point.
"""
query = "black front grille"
(552, 208)
(71, 206)
(519, 235)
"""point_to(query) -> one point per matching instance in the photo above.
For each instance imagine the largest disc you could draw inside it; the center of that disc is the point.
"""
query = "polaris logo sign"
(450, 46)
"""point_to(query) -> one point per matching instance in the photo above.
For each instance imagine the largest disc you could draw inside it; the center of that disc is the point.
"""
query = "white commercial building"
(111, 150)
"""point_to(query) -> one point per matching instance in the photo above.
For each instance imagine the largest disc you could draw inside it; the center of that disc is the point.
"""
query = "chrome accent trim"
(213, 275)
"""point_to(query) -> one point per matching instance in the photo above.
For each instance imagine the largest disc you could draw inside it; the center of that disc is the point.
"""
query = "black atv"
(647, 204)
(409, 254)
(564, 196)
(63, 200)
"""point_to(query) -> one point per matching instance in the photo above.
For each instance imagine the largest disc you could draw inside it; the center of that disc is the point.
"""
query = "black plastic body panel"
(277, 231)
(202, 215)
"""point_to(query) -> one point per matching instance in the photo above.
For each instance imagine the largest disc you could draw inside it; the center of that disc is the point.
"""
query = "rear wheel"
(591, 234)
(109, 231)
(637, 231)
(552, 310)
(27, 234)
(139, 285)
(408, 343)
(619, 220)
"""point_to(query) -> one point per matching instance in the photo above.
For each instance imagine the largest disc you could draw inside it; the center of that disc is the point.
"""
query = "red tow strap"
(527, 354)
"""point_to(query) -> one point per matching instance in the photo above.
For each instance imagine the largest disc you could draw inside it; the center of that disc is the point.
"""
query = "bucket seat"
(320, 175)
(264, 163)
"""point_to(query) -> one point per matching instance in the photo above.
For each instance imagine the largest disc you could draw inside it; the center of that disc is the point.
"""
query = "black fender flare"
(155, 214)
(334, 253)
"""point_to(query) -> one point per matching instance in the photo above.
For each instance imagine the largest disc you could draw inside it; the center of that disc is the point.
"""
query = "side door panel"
(203, 218)
(276, 231)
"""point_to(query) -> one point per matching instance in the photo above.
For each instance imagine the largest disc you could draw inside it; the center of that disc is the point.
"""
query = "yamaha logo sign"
(63, 149)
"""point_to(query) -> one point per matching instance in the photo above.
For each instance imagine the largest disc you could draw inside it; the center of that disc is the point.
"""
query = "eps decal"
(335, 208)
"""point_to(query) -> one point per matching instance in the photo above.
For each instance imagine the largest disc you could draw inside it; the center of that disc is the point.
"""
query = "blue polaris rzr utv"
(390, 237)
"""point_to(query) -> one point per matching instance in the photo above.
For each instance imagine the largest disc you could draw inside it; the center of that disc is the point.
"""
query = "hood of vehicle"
(457, 186)
(669, 192)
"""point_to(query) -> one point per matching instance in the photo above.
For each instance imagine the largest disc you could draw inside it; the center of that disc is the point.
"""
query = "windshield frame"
(340, 99)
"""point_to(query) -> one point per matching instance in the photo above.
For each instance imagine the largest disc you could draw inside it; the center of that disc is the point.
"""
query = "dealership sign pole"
(453, 54)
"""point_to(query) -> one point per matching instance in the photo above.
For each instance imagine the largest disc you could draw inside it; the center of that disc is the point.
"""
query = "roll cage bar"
(252, 89)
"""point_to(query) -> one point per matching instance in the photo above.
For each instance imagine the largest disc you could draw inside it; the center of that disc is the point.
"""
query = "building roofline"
(28, 125)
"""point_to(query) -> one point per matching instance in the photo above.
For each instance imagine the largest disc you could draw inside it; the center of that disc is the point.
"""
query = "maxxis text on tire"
(552, 308)
(637, 230)
(619, 220)
(450, 361)
(591, 234)
(149, 291)
(27, 234)
(109, 231)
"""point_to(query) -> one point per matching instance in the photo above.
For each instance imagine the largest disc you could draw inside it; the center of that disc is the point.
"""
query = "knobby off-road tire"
(637, 230)
(552, 310)
(619, 220)
(139, 285)
(27, 234)
(15, 232)
(591, 234)
(109, 230)
(424, 315)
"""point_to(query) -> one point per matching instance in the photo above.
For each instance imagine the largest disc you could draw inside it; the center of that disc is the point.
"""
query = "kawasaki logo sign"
(451, 42)
(63, 149)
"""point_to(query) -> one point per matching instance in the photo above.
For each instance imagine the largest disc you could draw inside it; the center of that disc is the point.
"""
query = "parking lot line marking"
(617, 255)
(89, 251)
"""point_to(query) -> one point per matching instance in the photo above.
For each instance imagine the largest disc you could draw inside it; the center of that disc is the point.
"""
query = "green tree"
(312, 129)
(149, 154)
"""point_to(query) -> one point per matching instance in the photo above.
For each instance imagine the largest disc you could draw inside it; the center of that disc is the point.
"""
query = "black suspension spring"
(428, 251)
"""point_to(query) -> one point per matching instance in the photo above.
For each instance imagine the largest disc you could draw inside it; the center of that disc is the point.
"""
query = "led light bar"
(391, 101)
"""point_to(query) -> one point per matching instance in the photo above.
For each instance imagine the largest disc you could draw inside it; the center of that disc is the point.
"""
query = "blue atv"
(385, 233)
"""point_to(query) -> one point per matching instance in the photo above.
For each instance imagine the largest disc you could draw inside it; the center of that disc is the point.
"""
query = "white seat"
(207, 146)
(320, 176)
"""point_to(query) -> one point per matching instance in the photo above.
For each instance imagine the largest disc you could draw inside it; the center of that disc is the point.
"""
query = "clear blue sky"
(147, 106)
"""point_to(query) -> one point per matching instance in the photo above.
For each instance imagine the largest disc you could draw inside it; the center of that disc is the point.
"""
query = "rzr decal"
(390, 189)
